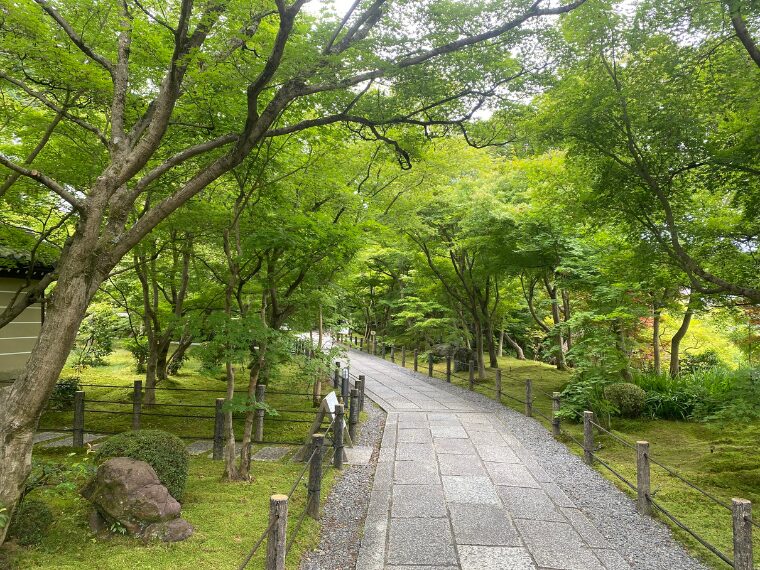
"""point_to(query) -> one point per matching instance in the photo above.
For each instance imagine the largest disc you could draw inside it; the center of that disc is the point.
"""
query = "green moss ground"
(103, 417)
(228, 517)
(721, 458)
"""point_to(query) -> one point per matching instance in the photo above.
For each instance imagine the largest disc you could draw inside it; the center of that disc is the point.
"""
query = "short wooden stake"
(416, 359)
(448, 369)
(258, 433)
(643, 504)
(218, 430)
(529, 398)
(361, 344)
(472, 375)
(741, 510)
(588, 438)
(338, 428)
(336, 376)
(430, 365)
(556, 428)
(136, 405)
(403, 356)
(360, 383)
(276, 541)
(78, 433)
(315, 475)
(353, 414)
(374, 346)
(382, 351)
(393, 354)
(498, 385)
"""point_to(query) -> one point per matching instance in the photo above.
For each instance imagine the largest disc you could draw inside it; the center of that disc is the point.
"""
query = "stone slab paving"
(200, 447)
(358, 454)
(455, 490)
(47, 436)
(69, 441)
(271, 453)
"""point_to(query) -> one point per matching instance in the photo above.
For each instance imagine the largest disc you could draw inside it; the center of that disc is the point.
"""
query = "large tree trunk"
(480, 356)
(656, 316)
(513, 343)
(24, 401)
(178, 356)
(150, 375)
(625, 370)
(321, 330)
(567, 315)
(162, 358)
(493, 359)
(551, 289)
(675, 343)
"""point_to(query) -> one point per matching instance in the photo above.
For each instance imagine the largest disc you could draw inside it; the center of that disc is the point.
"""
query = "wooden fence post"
(556, 428)
(340, 425)
(353, 414)
(448, 369)
(430, 365)
(472, 375)
(374, 346)
(315, 476)
(588, 438)
(529, 398)
(77, 437)
(336, 376)
(136, 405)
(403, 356)
(416, 358)
(218, 430)
(498, 385)
(276, 541)
(345, 390)
(643, 504)
(258, 434)
(383, 348)
(393, 353)
(360, 383)
(741, 510)
(361, 344)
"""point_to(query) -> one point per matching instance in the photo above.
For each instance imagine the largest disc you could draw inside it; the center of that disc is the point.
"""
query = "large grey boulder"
(128, 492)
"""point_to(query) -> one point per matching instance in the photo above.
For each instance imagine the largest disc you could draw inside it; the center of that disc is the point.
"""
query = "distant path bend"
(455, 487)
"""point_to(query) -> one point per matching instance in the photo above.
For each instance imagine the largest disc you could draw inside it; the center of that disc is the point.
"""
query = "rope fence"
(741, 509)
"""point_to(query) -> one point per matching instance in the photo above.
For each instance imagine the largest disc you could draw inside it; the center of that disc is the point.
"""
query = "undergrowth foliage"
(163, 451)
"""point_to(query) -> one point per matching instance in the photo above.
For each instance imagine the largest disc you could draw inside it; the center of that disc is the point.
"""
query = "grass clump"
(163, 451)
(30, 522)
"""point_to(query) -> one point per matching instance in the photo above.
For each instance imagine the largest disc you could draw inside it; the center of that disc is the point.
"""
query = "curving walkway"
(455, 489)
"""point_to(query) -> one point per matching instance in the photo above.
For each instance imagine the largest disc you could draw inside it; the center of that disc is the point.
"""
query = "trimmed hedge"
(163, 451)
(628, 398)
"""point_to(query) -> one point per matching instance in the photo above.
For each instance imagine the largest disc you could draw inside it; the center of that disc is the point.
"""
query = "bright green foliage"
(163, 451)
(628, 399)
(62, 397)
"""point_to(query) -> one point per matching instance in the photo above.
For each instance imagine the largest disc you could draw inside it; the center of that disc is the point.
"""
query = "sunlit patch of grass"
(103, 416)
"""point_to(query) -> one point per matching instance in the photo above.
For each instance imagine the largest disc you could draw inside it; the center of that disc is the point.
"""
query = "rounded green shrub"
(163, 451)
(627, 398)
(30, 522)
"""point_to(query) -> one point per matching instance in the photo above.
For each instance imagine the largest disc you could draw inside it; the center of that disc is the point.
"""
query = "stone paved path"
(454, 489)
